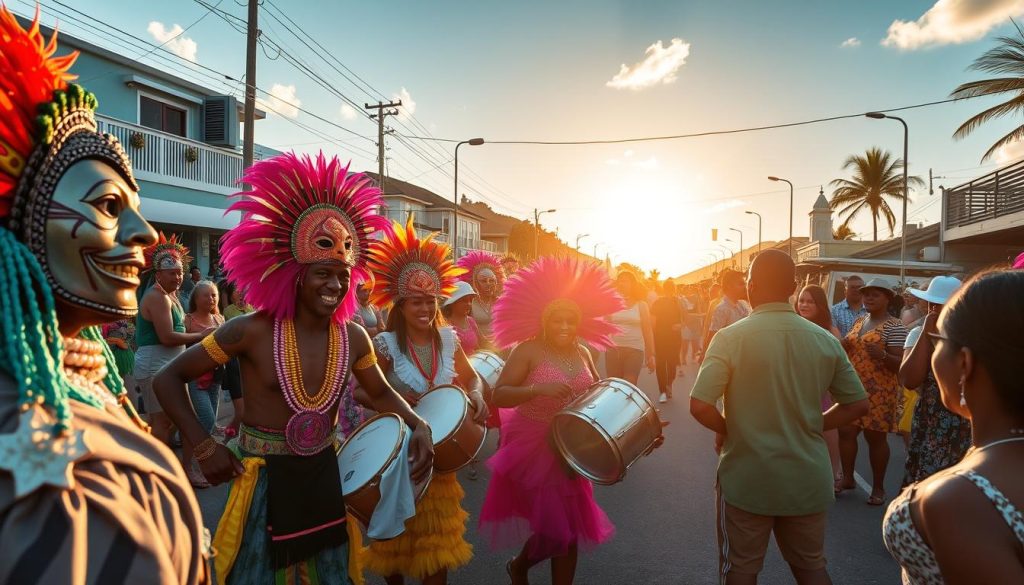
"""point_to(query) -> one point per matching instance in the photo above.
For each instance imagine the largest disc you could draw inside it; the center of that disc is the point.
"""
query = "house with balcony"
(432, 213)
(983, 219)
(184, 141)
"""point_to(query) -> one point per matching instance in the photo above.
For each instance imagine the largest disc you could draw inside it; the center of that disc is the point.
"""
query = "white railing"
(165, 158)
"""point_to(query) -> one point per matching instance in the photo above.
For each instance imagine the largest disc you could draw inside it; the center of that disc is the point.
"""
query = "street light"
(790, 212)
(906, 194)
(536, 230)
(455, 197)
(595, 250)
(758, 228)
(578, 238)
(741, 246)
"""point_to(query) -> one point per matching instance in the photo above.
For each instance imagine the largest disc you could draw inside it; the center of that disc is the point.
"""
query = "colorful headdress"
(477, 262)
(1019, 261)
(550, 284)
(300, 211)
(46, 126)
(166, 254)
(509, 258)
(406, 266)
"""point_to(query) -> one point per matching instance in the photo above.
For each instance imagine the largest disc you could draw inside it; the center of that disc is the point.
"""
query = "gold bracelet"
(205, 450)
(367, 361)
(214, 350)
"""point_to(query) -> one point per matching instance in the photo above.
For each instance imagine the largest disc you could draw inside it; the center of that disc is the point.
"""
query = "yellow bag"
(907, 416)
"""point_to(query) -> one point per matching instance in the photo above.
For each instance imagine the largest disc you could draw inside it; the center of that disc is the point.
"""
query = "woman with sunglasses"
(965, 524)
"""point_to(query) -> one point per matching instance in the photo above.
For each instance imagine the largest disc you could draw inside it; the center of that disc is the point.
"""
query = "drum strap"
(305, 509)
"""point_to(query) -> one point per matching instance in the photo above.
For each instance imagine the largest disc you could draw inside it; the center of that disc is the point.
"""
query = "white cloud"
(173, 40)
(650, 163)
(850, 42)
(283, 101)
(952, 22)
(1011, 152)
(659, 66)
(724, 206)
(408, 104)
(348, 112)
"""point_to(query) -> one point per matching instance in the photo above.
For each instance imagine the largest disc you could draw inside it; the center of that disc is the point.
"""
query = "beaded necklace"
(85, 367)
(435, 360)
(310, 427)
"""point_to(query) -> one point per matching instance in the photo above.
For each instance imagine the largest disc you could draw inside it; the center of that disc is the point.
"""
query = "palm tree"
(1006, 58)
(843, 232)
(876, 175)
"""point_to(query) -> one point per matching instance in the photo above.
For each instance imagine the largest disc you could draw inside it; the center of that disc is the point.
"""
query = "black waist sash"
(305, 508)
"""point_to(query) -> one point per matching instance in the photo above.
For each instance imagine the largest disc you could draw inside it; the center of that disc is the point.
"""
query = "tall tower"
(821, 219)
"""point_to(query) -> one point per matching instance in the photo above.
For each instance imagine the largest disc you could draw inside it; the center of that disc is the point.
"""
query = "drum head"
(368, 451)
(443, 408)
(592, 454)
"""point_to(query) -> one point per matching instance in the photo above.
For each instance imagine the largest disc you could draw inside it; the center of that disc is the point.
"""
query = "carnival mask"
(94, 238)
(322, 235)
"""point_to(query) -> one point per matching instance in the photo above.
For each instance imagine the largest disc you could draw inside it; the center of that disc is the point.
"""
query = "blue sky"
(541, 71)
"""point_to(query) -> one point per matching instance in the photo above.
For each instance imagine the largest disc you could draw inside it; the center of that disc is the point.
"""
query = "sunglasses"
(938, 336)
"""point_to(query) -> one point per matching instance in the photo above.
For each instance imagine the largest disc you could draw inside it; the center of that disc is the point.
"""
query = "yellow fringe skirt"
(433, 539)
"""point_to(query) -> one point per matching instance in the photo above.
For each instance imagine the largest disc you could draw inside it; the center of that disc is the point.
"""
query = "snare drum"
(457, 438)
(488, 366)
(363, 459)
(602, 433)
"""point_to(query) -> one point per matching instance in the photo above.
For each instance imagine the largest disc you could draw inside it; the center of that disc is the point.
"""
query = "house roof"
(495, 224)
(397, 187)
(921, 235)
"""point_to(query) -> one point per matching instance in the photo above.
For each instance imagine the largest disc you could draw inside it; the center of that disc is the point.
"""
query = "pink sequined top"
(543, 408)
(469, 338)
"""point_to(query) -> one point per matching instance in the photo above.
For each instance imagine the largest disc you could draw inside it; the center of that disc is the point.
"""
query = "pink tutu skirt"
(532, 494)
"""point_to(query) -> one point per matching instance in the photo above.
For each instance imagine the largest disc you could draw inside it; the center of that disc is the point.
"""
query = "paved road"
(665, 520)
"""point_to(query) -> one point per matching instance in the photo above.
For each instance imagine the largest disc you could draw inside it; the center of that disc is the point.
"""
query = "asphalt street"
(665, 518)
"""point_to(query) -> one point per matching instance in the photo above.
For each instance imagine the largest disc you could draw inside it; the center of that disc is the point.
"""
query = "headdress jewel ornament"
(300, 211)
(406, 266)
(550, 284)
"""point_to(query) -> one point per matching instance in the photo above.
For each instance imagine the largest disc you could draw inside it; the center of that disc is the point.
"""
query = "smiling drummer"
(417, 353)
(299, 252)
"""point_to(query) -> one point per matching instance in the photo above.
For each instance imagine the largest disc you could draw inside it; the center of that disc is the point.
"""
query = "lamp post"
(455, 197)
(595, 250)
(733, 254)
(906, 194)
(536, 230)
(741, 246)
(758, 228)
(578, 238)
(726, 252)
(790, 212)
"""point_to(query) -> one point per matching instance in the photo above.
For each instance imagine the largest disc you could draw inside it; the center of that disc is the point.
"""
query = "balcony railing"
(994, 195)
(165, 158)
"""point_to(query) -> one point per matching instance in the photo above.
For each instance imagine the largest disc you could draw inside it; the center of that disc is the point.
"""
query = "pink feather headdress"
(1019, 262)
(477, 260)
(550, 282)
(300, 211)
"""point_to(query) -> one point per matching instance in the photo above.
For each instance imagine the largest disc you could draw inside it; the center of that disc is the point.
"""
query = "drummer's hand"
(553, 389)
(421, 452)
(479, 406)
(222, 466)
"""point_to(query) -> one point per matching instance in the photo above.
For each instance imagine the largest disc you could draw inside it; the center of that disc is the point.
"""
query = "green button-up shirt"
(773, 368)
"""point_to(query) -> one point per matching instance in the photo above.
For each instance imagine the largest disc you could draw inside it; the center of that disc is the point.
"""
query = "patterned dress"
(885, 395)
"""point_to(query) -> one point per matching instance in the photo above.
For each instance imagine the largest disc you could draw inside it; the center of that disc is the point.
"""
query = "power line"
(696, 134)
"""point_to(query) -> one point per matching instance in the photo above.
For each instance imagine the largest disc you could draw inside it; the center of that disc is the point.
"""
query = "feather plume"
(398, 249)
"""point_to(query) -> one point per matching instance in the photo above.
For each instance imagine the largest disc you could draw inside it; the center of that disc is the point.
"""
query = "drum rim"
(607, 437)
(483, 441)
(403, 429)
(465, 413)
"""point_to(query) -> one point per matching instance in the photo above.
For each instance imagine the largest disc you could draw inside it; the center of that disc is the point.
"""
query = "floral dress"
(884, 391)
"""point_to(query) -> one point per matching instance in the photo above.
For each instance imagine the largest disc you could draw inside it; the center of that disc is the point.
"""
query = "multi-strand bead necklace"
(85, 367)
(309, 428)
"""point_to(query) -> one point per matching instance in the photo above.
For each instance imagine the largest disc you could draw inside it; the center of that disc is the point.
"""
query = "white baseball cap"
(939, 290)
(462, 289)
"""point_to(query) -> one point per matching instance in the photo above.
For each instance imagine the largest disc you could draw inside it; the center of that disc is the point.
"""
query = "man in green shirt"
(774, 475)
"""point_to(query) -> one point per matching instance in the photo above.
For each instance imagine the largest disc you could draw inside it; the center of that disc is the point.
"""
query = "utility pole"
(382, 112)
(249, 111)
(536, 229)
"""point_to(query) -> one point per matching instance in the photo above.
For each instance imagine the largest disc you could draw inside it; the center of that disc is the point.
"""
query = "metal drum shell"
(362, 502)
(459, 447)
(488, 365)
(597, 439)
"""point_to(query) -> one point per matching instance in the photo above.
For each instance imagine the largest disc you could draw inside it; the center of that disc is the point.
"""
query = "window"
(161, 116)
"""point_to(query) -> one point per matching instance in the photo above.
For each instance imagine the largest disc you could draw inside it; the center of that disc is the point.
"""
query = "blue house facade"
(184, 141)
